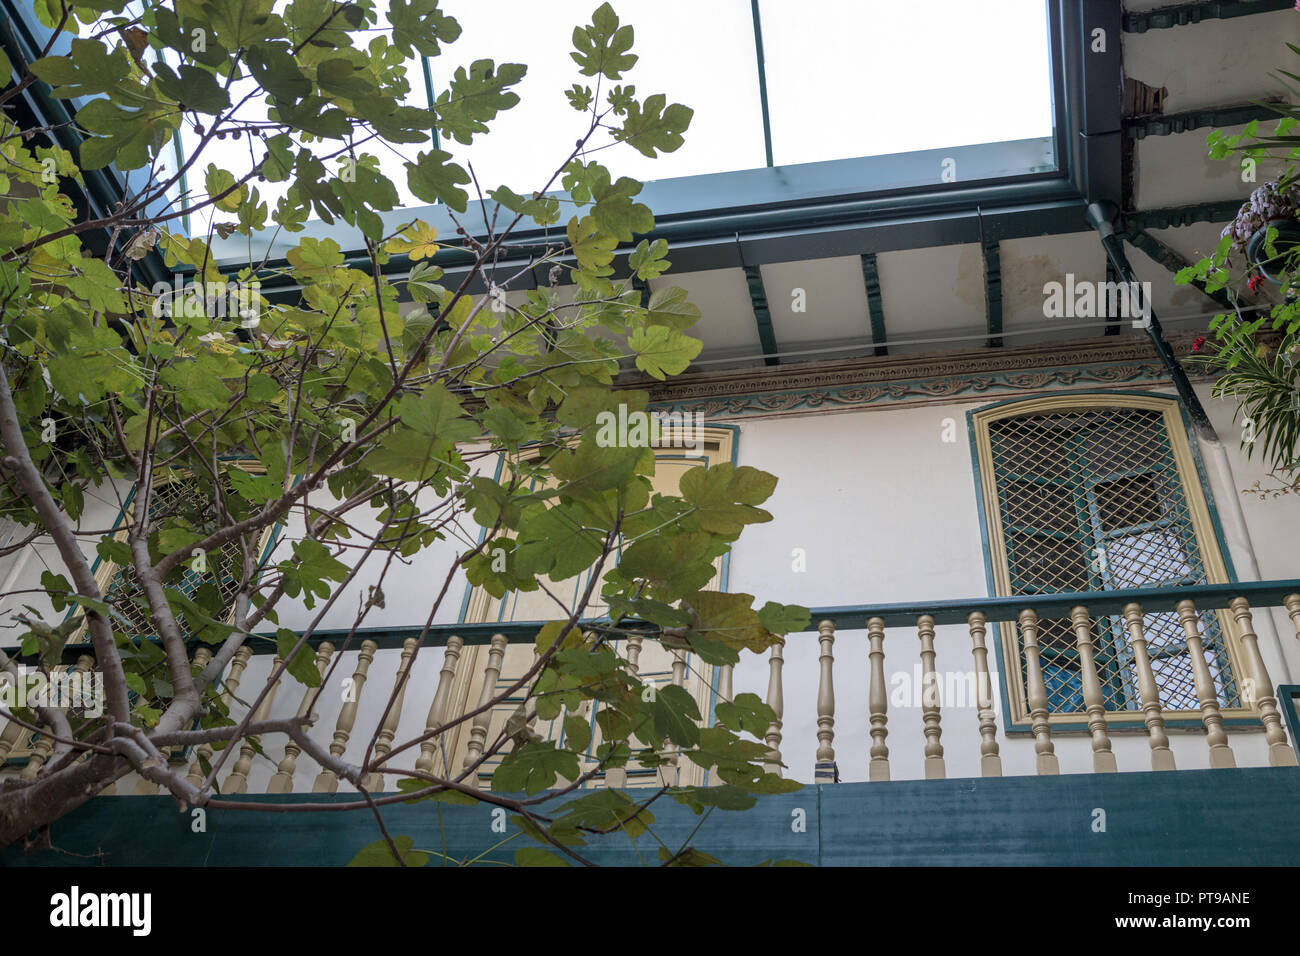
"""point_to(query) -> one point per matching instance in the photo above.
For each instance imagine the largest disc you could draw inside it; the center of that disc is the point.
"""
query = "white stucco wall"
(884, 511)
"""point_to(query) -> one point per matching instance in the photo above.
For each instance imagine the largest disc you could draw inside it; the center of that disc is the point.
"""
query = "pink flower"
(1200, 339)
(1255, 281)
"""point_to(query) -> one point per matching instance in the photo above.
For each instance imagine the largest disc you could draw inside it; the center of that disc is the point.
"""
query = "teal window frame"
(1114, 721)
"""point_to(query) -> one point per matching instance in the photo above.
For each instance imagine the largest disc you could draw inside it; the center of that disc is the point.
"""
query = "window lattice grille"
(178, 498)
(1092, 500)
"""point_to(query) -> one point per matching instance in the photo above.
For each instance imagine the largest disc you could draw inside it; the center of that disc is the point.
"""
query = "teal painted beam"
(762, 314)
(875, 303)
(1259, 594)
(992, 256)
(1113, 326)
(643, 288)
(1171, 216)
(1166, 124)
(1174, 261)
(1181, 14)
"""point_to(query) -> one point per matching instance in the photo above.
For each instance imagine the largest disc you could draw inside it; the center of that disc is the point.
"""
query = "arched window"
(1100, 493)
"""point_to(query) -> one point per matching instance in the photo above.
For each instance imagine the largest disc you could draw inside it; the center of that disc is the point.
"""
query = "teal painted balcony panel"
(1240, 817)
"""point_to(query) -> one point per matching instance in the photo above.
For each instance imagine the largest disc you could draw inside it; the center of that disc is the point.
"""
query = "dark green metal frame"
(816, 210)
(1182, 14)
(1288, 701)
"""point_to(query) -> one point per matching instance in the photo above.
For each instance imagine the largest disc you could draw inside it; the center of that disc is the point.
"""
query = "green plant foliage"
(1255, 355)
(371, 423)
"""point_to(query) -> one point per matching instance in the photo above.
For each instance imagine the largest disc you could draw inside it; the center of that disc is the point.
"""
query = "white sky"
(845, 78)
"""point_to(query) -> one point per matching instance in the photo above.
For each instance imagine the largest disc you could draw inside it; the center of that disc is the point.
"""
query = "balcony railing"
(1093, 720)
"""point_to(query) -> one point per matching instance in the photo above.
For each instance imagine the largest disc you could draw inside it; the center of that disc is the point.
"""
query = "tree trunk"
(49, 798)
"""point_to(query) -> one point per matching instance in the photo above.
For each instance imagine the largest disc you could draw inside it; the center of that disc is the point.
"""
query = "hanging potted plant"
(1270, 207)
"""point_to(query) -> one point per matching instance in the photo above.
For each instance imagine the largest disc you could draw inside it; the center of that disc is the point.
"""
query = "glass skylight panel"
(843, 81)
(875, 76)
(700, 54)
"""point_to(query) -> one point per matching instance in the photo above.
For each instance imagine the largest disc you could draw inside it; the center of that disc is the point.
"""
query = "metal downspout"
(1102, 216)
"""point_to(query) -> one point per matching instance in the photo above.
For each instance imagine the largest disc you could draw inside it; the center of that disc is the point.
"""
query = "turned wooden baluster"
(725, 693)
(237, 782)
(934, 766)
(282, 782)
(479, 728)
(327, 780)
(145, 786)
(1037, 694)
(775, 700)
(13, 730)
(617, 776)
(1103, 760)
(237, 664)
(679, 680)
(44, 744)
(878, 702)
(1206, 694)
(825, 769)
(1279, 754)
(41, 751)
(1292, 604)
(990, 759)
(438, 709)
(1162, 758)
(725, 673)
(374, 781)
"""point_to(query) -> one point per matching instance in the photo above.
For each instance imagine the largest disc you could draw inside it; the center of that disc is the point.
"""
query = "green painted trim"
(482, 533)
(1168, 124)
(1202, 475)
(762, 80)
(428, 91)
(1113, 326)
(1181, 14)
(990, 584)
(724, 577)
(762, 314)
(992, 255)
(1288, 701)
(643, 288)
(1174, 262)
(1170, 217)
(875, 301)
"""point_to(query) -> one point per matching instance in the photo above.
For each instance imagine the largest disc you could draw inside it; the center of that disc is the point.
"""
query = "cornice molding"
(916, 379)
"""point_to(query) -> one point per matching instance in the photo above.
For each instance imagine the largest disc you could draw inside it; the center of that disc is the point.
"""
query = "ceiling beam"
(1171, 216)
(762, 314)
(642, 287)
(875, 304)
(1174, 261)
(797, 245)
(992, 255)
(1140, 127)
(1181, 14)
